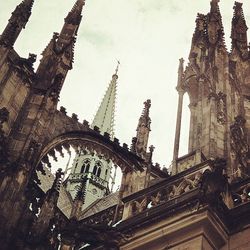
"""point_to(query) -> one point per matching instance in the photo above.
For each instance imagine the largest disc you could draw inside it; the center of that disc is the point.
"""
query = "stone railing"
(98, 180)
(164, 191)
(77, 176)
(107, 216)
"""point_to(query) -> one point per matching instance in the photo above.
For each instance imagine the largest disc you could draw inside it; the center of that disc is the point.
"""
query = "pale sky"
(147, 36)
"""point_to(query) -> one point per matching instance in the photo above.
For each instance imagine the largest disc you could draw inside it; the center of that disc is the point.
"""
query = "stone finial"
(32, 58)
(145, 119)
(63, 110)
(74, 117)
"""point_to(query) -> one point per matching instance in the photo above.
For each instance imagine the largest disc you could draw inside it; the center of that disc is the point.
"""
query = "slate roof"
(100, 205)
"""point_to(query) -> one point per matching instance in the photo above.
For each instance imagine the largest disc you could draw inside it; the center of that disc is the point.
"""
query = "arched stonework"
(65, 131)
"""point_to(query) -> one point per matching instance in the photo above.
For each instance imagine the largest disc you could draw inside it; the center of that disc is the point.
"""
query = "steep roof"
(64, 201)
(100, 205)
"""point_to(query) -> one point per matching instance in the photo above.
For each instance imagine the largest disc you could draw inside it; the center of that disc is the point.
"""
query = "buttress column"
(181, 93)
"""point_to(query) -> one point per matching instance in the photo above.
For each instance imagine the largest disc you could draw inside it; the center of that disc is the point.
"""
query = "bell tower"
(88, 166)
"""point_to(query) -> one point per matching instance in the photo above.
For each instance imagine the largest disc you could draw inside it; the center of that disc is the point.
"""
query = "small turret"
(17, 22)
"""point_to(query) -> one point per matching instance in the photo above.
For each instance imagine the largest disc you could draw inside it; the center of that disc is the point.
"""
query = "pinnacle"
(145, 113)
(74, 16)
(28, 2)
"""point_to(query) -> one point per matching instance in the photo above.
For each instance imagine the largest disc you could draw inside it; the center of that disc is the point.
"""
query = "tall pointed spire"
(17, 22)
(70, 27)
(104, 118)
(75, 15)
(143, 130)
(239, 31)
(215, 28)
(59, 54)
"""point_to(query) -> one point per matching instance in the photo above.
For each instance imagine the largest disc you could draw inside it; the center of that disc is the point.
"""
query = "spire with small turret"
(17, 22)
(59, 54)
(90, 173)
(104, 118)
(239, 32)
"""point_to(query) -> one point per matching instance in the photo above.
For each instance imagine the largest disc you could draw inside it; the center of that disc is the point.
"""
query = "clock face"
(94, 191)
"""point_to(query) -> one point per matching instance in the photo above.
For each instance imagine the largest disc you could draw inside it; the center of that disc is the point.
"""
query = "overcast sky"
(147, 36)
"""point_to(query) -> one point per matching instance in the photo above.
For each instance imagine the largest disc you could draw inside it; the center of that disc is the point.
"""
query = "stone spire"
(17, 22)
(143, 130)
(74, 16)
(70, 28)
(215, 28)
(59, 54)
(104, 118)
(239, 31)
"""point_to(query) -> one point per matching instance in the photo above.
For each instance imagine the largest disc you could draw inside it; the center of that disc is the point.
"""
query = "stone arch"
(93, 141)
(64, 131)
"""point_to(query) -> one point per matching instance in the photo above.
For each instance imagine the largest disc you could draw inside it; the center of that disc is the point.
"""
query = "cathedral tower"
(89, 164)
(217, 83)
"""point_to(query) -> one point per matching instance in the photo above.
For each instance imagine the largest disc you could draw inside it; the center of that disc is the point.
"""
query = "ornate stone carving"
(166, 193)
(241, 195)
(239, 145)
(221, 108)
(32, 151)
(200, 31)
(139, 206)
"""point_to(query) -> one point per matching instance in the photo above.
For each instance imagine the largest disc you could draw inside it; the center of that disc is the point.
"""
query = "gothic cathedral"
(201, 203)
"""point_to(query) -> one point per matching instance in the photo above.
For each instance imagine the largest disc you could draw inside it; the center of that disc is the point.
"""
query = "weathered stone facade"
(203, 204)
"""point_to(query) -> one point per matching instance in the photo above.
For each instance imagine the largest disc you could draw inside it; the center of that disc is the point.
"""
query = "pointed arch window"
(97, 169)
(85, 166)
